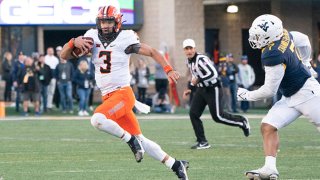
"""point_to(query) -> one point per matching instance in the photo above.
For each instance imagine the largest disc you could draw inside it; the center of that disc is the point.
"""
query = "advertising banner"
(59, 12)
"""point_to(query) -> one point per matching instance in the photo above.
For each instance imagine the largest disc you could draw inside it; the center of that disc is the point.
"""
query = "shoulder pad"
(91, 33)
(129, 33)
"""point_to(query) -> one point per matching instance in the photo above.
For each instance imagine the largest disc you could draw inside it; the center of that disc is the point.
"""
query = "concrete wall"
(168, 22)
(300, 16)
(189, 19)
(295, 15)
(315, 27)
(230, 25)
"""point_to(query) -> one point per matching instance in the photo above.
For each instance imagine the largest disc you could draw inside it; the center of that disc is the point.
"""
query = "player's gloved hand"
(173, 76)
(242, 94)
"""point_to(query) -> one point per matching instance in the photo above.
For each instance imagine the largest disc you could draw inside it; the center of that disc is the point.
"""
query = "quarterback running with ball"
(284, 70)
(111, 48)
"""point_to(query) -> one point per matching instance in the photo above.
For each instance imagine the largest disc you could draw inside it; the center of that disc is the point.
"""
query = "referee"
(205, 77)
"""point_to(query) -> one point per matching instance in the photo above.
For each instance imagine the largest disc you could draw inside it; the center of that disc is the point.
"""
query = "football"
(77, 52)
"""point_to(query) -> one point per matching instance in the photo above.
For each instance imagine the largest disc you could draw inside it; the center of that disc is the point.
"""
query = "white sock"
(100, 122)
(151, 148)
(270, 162)
(126, 136)
(169, 162)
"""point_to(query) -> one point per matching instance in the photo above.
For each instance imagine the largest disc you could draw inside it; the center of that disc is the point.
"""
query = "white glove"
(242, 94)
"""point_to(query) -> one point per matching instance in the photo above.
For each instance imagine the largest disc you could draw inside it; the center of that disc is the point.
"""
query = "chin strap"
(107, 39)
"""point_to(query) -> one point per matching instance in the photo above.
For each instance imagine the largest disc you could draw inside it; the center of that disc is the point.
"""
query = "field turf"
(72, 149)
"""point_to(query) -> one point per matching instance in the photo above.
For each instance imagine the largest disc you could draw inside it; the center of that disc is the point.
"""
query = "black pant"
(7, 90)
(161, 84)
(91, 97)
(210, 96)
(142, 94)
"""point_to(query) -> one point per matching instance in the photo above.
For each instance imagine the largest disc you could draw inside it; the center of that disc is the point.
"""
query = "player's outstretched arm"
(273, 78)
(147, 50)
(83, 44)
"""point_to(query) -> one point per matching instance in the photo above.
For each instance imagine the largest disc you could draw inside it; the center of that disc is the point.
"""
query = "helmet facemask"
(108, 29)
(111, 18)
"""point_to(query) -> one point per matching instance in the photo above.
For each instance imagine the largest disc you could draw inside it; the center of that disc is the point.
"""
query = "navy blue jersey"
(283, 52)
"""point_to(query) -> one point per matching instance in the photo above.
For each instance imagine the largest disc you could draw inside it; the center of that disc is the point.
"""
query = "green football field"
(72, 149)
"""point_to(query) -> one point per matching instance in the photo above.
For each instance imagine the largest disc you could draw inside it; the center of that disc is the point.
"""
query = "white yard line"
(140, 117)
(80, 171)
(51, 139)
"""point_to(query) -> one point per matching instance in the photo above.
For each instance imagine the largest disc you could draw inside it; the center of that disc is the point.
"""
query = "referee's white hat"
(188, 42)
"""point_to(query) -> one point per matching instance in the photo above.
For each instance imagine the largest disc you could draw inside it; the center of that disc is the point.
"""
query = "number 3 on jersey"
(106, 61)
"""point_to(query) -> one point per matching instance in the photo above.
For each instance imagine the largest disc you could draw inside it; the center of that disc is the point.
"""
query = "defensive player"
(284, 71)
(111, 49)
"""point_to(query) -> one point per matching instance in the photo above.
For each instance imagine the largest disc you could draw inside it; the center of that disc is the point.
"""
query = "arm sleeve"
(133, 48)
(273, 78)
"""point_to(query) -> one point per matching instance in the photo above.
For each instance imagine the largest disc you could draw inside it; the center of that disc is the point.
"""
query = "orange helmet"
(109, 13)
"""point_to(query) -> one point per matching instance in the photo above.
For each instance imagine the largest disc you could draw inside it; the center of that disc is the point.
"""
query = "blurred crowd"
(51, 83)
(54, 84)
(48, 81)
(233, 76)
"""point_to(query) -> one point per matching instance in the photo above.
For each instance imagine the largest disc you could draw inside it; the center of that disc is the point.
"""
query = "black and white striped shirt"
(202, 68)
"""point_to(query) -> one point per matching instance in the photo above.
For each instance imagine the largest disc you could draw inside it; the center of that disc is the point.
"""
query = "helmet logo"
(264, 26)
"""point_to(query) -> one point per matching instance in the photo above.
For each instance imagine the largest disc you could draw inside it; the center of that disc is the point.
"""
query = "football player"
(285, 71)
(111, 48)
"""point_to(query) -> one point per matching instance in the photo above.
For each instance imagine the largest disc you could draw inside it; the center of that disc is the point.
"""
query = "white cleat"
(263, 173)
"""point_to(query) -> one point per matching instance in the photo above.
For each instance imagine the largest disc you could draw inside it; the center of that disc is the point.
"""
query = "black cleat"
(181, 170)
(136, 148)
(246, 127)
(201, 145)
